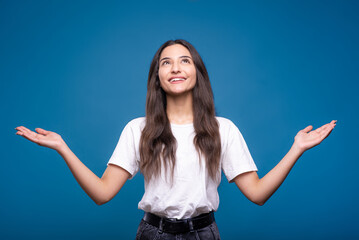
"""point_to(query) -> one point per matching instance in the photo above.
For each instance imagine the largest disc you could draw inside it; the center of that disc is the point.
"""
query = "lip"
(177, 77)
(178, 81)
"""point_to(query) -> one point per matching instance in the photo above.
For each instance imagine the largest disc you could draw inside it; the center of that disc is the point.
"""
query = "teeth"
(177, 79)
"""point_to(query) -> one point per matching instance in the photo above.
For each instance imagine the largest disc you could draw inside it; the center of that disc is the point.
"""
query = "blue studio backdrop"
(79, 68)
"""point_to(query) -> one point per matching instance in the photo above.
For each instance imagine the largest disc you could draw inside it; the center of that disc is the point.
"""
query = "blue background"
(79, 68)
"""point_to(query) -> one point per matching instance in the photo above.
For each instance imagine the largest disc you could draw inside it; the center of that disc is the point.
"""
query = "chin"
(178, 93)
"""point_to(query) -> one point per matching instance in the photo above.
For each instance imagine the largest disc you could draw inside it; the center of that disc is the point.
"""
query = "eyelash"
(165, 62)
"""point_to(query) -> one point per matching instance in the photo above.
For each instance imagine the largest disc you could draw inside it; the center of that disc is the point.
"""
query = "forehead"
(174, 51)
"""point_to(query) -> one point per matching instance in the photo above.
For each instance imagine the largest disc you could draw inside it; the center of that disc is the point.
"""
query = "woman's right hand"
(42, 137)
(101, 190)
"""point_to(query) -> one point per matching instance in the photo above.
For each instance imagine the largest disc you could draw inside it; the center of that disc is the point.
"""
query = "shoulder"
(227, 128)
(225, 123)
(136, 124)
(137, 121)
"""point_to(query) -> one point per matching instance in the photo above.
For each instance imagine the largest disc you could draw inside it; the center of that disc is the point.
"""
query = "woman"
(180, 147)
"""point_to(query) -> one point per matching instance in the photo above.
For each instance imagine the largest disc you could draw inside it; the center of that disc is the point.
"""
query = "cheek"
(162, 80)
(161, 75)
(194, 82)
(193, 71)
(194, 74)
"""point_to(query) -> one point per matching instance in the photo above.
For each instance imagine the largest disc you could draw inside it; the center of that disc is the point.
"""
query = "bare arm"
(260, 190)
(100, 190)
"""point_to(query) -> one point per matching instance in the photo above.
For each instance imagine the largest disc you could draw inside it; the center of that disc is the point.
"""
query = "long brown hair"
(157, 143)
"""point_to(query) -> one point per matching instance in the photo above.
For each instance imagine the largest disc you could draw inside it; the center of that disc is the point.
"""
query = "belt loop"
(160, 226)
(190, 223)
(212, 216)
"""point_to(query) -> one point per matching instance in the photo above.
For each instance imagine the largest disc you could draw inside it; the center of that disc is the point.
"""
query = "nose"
(176, 67)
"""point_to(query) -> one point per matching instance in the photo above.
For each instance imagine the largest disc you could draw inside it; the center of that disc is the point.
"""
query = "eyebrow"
(165, 58)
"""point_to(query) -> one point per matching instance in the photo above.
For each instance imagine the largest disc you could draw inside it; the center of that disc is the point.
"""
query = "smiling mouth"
(176, 80)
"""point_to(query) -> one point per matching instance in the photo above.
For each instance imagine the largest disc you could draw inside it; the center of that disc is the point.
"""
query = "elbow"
(101, 201)
(259, 201)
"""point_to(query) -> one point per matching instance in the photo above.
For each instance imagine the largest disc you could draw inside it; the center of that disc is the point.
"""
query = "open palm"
(41, 137)
(306, 139)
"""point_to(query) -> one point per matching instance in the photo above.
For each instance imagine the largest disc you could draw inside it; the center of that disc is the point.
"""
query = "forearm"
(101, 190)
(268, 184)
(88, 181)
(260, 190)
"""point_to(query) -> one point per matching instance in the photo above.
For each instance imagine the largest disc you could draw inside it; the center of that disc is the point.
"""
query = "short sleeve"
(125, 154)
(236, 158)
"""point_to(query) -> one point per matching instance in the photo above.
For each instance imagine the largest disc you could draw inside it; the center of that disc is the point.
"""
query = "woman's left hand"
(306, 139)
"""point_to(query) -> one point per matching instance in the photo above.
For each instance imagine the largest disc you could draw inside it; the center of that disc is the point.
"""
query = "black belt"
(179, 226)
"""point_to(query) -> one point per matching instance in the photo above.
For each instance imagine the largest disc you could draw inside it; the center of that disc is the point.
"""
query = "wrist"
(62, 147)
(297, 149)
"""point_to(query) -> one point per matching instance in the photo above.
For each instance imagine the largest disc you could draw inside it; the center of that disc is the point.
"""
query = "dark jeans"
(146, 231)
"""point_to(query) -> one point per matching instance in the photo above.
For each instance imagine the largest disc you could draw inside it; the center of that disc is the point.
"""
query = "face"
(176, 72)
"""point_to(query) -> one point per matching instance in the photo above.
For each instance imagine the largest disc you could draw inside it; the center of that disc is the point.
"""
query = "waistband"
(175, 226)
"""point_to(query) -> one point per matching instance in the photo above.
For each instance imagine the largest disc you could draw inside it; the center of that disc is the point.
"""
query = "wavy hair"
(157, 143)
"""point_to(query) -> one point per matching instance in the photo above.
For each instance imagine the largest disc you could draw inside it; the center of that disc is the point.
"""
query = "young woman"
(180, 147)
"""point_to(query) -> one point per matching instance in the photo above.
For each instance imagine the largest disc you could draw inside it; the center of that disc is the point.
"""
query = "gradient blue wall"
(79, 68)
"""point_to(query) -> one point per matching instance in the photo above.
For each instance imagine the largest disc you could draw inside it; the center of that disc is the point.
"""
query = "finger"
(326, 126)
(27, 133)
(19, 133)
(20, 128)
(334, 122)
(24, 129)
(322, 128)
(29, 136)
(325, 133)
(307, 129)
(42, 131)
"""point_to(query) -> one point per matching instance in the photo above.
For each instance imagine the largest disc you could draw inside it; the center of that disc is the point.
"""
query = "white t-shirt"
(192, 192)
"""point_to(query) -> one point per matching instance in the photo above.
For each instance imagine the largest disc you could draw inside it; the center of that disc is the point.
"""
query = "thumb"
(307, 129)
(42, 131)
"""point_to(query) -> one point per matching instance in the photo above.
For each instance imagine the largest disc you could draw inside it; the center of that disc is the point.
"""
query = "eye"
(185, 60)
(165, 62)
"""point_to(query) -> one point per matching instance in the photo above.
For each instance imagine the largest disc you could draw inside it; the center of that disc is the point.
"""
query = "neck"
(180, 109)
